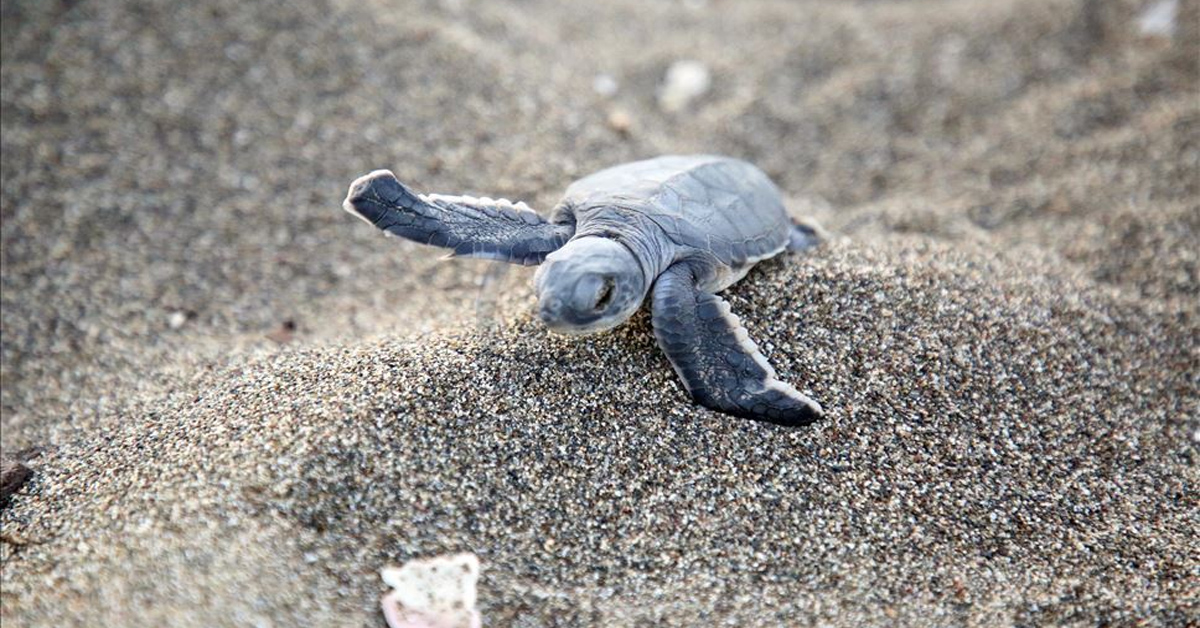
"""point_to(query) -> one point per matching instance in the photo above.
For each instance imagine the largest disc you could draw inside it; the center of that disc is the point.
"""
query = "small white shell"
(436, 592)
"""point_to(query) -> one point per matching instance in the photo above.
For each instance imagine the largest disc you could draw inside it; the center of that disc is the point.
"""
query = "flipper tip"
(363, 200)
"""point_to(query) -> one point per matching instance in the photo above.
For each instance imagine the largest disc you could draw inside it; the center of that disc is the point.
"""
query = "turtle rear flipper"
(719, 365)
(471, 227)
(805, 235)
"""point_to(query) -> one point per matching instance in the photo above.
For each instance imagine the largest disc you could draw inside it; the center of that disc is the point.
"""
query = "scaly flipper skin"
(470, 227)
(718, 363)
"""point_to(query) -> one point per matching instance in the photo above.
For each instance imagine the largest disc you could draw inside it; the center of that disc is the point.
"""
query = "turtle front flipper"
(470, 227)
(719, 365)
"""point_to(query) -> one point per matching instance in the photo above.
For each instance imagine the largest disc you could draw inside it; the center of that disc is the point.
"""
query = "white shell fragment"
(685, 81)
(175, 320)
(435, 592)
(1158, 20)
(605, 85)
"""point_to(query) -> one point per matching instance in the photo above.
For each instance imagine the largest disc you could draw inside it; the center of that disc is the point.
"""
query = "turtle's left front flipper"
(719, 365)
(470, 227)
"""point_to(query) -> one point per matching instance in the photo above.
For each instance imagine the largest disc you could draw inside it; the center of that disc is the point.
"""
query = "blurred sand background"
(243, 402)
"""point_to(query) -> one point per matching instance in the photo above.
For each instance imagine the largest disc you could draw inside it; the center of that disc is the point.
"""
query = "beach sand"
(240, 403)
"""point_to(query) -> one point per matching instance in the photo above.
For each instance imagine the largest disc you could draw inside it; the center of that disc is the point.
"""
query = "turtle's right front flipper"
(470, 227)
(719, 365)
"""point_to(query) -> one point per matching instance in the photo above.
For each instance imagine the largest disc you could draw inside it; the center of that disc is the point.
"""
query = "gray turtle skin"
(678, 229)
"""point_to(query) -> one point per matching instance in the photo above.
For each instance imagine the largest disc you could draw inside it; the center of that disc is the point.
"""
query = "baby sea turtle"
(684, 227)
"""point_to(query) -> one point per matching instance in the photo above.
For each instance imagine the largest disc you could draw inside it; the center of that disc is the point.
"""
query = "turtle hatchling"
(681, 227)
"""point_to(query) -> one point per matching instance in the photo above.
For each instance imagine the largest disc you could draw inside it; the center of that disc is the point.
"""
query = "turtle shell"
(724, 210)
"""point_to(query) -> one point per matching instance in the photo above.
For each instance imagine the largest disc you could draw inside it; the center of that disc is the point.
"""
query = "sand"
(240, 403)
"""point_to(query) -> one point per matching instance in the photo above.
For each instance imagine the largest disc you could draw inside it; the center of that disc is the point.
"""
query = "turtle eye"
(604, 297)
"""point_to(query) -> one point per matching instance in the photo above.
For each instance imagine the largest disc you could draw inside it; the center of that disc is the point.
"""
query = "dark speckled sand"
(247, 402)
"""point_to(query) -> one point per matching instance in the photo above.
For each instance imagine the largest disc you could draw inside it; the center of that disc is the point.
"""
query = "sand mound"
(992, 445)
(247, 402)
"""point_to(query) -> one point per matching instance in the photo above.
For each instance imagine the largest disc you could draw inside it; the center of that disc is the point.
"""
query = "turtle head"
(589, 285)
